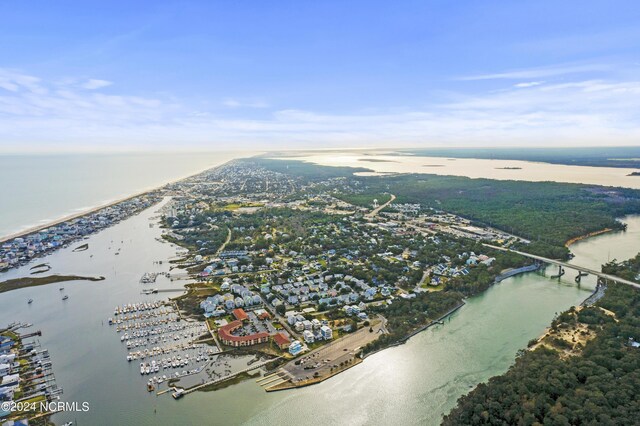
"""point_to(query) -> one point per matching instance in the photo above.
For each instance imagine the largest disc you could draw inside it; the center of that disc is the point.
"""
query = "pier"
(27, 373)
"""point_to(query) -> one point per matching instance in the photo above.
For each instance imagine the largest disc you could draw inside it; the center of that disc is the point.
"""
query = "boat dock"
(27, 373)
(156, 334)
(230, 376)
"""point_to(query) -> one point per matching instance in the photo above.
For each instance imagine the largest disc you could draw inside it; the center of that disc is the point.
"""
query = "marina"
(170, 349)
(150, 277)
(154, 332)
(77, 340)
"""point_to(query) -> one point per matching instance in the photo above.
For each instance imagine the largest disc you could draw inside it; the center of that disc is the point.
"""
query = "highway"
(374, 212)
(568, 265)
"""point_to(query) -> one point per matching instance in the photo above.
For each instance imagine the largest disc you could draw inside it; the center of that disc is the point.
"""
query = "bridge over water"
(561, 264)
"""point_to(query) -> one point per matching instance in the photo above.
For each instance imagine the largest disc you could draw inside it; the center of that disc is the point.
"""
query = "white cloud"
(39, 115)
(539, 72)
(14, 82)
(526, 84)
(235, 103)
(94, 84)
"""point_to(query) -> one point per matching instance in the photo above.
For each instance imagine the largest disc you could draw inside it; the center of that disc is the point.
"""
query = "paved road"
(221, 248)
(374, 212)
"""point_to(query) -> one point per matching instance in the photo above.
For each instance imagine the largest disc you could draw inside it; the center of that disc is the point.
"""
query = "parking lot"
(318, 363)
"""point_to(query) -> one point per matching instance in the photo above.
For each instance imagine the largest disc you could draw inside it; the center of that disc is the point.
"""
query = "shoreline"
(424, 327)
(25, 282)
(70, 217)
(91, 210)
(585, 236)
(498, 279)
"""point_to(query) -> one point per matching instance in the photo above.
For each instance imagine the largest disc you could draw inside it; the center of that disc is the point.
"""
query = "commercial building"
(281, 341)
(225, 333)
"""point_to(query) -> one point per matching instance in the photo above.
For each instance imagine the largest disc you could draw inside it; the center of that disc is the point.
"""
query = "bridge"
(581, 269)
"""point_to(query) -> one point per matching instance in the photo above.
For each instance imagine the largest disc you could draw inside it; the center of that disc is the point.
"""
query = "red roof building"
(227, 338)
(240, 314)
(264, 315)
(281, 340)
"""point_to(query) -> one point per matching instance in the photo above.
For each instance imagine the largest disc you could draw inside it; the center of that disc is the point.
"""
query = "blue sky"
(301, 74)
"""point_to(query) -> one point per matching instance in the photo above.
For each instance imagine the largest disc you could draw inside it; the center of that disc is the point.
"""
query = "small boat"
(178, 394)
(65, 297)
(150, 387)
(61, 288)
(30, 301)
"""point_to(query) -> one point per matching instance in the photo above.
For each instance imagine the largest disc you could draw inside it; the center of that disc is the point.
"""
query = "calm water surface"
(411, 384)
(47, 187)
(479, 168)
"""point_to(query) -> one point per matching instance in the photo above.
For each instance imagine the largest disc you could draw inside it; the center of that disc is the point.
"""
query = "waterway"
(414, 383)
(385, 162)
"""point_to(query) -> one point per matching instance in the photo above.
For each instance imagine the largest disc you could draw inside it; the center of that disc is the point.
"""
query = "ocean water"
(36, 189)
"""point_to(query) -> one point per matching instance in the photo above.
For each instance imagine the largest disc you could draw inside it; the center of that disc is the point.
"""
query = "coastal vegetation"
(23, 282)
(40, 268)
(584, 371)
(628, 269)
(406, 316)
(592, 156)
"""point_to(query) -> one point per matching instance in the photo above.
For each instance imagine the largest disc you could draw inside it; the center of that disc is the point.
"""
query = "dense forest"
(629, 269)
(547, 213)
(615, 156)
(305, 171)
(600, 385)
